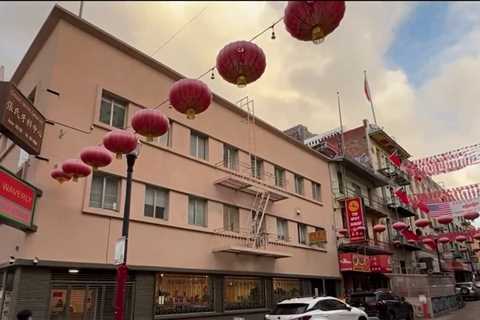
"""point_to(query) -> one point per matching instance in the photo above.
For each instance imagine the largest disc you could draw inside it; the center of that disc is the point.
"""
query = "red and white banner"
(355, 219)
(381, 263)
(449, 161)
(467, 192)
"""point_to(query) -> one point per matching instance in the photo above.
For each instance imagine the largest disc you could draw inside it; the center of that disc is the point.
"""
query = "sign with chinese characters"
(119, 257)
(381, 263)
(20, 120)
(17, 201)
(317, 237)
(355, 219)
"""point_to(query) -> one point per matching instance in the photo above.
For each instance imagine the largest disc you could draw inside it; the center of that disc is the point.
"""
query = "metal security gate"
(90, 298)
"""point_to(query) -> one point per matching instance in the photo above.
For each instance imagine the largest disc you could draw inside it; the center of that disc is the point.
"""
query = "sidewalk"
(471, 311)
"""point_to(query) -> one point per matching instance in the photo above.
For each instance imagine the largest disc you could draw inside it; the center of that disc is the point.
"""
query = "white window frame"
(230, 157)
(316, 191)
(299, 185)
(281, 179)
(301, 226)
(104, 184)
(227, 212)
(113, 102)
(156, 191)
(195, 136)
(282, 224)
(205, 211)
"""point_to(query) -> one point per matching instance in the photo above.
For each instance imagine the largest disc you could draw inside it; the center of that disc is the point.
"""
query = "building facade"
(198, 194)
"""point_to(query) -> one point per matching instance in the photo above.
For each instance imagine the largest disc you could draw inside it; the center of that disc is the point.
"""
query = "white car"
(316, 308)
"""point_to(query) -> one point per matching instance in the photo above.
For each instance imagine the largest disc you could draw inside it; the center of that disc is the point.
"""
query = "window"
(282, 229)
(330, 305)
(257, 167)
(32, 95)
(316, 191)
(284, 288)
(104, 191)
(197, 211)
(156, 203)
(113, 112)
(302, 233)
(340, 182)
(166, 139)
(299, 185)
(231, 218)
(199, 146)
(183, 293)
(230, 157)
(280, 177)
(357, 189)
(243, 293)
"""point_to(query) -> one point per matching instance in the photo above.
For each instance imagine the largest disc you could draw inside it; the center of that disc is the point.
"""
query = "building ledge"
(252, 251)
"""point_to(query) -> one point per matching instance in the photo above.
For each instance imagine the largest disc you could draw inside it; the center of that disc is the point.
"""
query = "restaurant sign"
(317, 237)
(355, 219)
(17, 201)
(362, 263)
(20, 120)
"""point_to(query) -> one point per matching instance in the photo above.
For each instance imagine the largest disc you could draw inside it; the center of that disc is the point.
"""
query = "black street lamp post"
(122, 270)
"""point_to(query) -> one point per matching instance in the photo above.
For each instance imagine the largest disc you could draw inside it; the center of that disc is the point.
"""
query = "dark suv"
(382, 304)
(469, 290)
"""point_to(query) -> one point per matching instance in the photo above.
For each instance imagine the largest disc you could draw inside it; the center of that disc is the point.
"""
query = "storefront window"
(177, 293)
(285, 289)
(244, 293)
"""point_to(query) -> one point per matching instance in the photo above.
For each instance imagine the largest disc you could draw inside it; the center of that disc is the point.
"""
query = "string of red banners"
(468, 192)
(239, 63)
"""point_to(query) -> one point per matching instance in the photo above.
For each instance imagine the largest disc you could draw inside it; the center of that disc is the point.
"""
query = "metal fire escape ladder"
(259, 207)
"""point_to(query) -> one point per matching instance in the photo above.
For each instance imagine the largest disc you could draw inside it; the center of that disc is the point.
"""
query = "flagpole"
(80, 13)
(341, 123)
(371, 100)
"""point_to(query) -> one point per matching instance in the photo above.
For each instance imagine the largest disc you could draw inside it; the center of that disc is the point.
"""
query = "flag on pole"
(402, 196)
(367, 88)
(395, 159)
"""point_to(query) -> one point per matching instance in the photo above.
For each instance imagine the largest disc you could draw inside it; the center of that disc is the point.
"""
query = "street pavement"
(471, 311)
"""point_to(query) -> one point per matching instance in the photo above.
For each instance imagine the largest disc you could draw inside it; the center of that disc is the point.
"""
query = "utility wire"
(179, 30)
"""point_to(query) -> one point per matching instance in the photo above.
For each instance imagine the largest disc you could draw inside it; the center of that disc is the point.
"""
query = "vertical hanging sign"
(355, 219)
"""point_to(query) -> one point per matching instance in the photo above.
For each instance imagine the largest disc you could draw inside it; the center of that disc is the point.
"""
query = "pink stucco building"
(192, 252)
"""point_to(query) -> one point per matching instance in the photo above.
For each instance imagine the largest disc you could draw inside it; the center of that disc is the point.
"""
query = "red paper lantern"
(96, 156)
(241, 62)
(399, 226)
(476, 236)
(150, 123)
(190, 96)
(379, 228)
(343, 231)
(471, 215)
(460, 238)
(76, 169)
(444, 240)
(120, 142)
(313, 20)
(422, 223)
(445, 219)
(59, 175)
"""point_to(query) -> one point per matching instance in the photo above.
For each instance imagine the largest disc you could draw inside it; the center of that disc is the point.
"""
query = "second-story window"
(104, 191)
(113, 111)
(357, 190)
(156, 203)
(299, 185)
(257, 167)
(231, 218)
(316, 191)
(197, 211)
(230, 157)
(302, 233)
(279, 177)
(282, 229)
(199, 146)
(166, 139)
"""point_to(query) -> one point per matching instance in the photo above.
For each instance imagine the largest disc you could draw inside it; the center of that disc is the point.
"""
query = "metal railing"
(246, 238)
(375, 244)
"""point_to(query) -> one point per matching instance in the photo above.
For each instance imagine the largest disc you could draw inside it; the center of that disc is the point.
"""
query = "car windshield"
(290, 308)
(361, 300)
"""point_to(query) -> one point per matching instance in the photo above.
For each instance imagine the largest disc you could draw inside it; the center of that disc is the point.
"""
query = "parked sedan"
(316, 308)
(382, 304)
(469, 290)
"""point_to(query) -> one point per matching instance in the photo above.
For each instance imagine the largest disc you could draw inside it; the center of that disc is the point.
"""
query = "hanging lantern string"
(213, 68)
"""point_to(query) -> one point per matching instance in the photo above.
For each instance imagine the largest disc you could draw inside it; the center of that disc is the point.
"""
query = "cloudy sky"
(423, 62)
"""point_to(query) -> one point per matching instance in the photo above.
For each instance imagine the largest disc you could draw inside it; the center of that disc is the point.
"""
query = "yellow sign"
(316, 237)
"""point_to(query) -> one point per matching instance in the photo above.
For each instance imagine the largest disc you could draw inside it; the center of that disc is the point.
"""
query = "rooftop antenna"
(80, 13)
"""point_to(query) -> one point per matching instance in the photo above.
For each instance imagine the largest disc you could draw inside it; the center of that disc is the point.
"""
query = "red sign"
(355, 219)
(17, 201)
(381, 263)
(354, 262)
